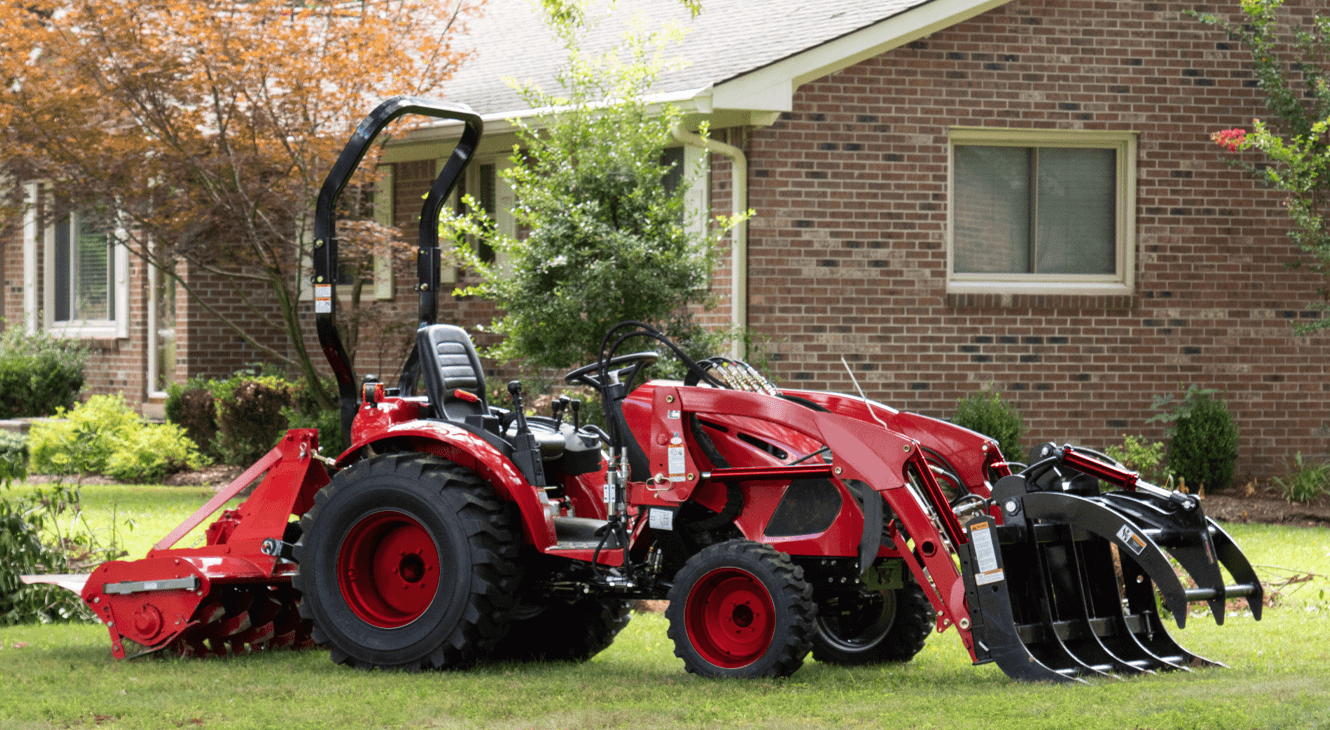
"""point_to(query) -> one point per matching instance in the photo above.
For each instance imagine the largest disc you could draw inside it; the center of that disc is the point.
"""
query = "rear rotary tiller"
(776, 522)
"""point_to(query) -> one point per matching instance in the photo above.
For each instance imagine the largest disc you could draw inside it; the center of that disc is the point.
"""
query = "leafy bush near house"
(236, 420)
(105, 436)
(986, 413)
(1203, 440)
(1142, 456)
(249, 417)
(1305, 480)
(38, 373)
(13, 457)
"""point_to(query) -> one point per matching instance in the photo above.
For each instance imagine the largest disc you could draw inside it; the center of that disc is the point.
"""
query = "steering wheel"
(633, 362)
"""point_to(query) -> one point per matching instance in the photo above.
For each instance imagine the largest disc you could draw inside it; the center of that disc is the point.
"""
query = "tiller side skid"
(231, 595)
(1065, 586)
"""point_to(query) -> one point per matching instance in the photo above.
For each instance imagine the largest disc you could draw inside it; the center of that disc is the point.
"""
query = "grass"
(1280, 676)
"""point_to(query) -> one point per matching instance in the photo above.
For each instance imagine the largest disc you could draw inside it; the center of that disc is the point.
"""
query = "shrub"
(105, 436)
(24, 521)
(1203, 445)
(193, 408)
(13, 457)
(1142, 456)
(249, 417)
(987, 414)
(38, 373)
(1305, 481)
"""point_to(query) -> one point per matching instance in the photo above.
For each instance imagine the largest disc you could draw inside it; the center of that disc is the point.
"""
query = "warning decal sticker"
(985, 554)
(1131, 539)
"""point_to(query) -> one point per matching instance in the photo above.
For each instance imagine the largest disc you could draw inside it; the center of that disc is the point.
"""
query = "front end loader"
(776, 522)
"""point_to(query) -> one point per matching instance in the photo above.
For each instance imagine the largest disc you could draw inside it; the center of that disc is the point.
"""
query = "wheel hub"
(388, 569)
(730, 618)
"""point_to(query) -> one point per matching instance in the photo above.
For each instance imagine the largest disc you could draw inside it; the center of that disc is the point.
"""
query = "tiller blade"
(230, 596)
(1070, 584)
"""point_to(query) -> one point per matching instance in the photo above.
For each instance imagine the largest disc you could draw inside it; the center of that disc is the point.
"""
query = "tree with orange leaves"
(203, 130)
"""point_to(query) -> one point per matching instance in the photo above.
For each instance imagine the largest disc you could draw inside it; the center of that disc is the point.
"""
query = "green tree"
(1293, 74)
(608, 237)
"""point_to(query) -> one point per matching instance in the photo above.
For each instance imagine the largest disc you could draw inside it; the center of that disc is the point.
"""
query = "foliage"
(1296, 140)
(38, 373)
(1142, 456)
(105, 436)
(44, 532)
(249, 417)
(210, 126)
(13, 457)
(986, 413)
(608, 239)
(192, 408)
(238, 419)
(1203, 439)
(1305, 480)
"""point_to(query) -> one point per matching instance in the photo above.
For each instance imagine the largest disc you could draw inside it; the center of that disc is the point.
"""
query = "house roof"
(740, 54)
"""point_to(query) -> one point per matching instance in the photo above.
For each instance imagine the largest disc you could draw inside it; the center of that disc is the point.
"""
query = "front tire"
(741, 609)
(890, 626)
(408, 561)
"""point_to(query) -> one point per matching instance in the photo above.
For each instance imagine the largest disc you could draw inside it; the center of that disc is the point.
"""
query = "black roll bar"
(325, 230)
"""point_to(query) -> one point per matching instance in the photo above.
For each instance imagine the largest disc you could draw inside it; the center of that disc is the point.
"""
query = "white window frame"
(1122, 282)
(117, 328)
(155, 276)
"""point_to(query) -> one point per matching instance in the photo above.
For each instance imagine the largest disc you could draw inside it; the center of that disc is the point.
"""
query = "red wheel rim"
(388, 569)
(730, 618)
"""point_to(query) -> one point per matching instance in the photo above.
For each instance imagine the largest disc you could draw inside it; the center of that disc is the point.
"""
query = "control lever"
(557, 408)
(577, 419)
(526, 451)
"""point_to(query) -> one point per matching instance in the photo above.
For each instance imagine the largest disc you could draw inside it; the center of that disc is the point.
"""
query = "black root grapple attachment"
(1065, 588)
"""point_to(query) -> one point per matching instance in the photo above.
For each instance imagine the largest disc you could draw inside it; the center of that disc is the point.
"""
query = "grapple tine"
(1000, 624)
(1150, 631)
(1232, 558)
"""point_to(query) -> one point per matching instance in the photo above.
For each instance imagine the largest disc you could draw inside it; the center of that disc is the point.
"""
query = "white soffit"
(772, 87)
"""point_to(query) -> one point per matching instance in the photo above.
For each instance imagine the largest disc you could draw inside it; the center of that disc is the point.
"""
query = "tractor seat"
(448, 364)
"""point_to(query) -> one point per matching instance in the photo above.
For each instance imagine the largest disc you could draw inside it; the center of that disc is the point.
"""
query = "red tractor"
(776, 522)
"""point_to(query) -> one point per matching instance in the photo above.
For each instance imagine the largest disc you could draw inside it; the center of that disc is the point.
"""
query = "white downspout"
(739, 253)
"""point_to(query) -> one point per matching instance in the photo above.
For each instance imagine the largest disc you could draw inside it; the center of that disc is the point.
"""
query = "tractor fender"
(464, 448)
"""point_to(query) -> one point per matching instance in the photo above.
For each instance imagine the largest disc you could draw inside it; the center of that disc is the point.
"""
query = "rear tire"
(408, 561)
(891, 627)
(741, 609)
(563, 631)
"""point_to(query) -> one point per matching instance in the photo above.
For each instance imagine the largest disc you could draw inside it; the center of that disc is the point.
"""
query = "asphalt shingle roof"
(729, 38)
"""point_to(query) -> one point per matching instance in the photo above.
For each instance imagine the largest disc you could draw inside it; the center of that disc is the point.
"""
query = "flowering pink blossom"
(1229, 139)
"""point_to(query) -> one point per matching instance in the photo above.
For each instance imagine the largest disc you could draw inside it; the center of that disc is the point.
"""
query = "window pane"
(92, 273)
(489, 200)
(64, 272)
(165, 335)
(992, 216)
(1076, 212)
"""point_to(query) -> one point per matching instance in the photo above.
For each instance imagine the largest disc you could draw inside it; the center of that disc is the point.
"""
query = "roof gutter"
(739, 251)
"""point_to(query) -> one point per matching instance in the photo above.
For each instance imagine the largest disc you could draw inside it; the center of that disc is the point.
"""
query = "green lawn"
(63, 676)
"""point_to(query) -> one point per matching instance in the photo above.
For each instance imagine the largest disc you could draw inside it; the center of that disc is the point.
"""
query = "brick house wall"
(848, 247)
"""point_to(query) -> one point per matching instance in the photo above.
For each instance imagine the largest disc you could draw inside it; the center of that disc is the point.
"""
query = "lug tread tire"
(791, 597)
(565, 631)
(489, 539)
(909, 631)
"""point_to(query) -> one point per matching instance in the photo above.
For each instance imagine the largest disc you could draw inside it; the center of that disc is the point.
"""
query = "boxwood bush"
(1203, 439)
(38, 373)
(986, 413)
